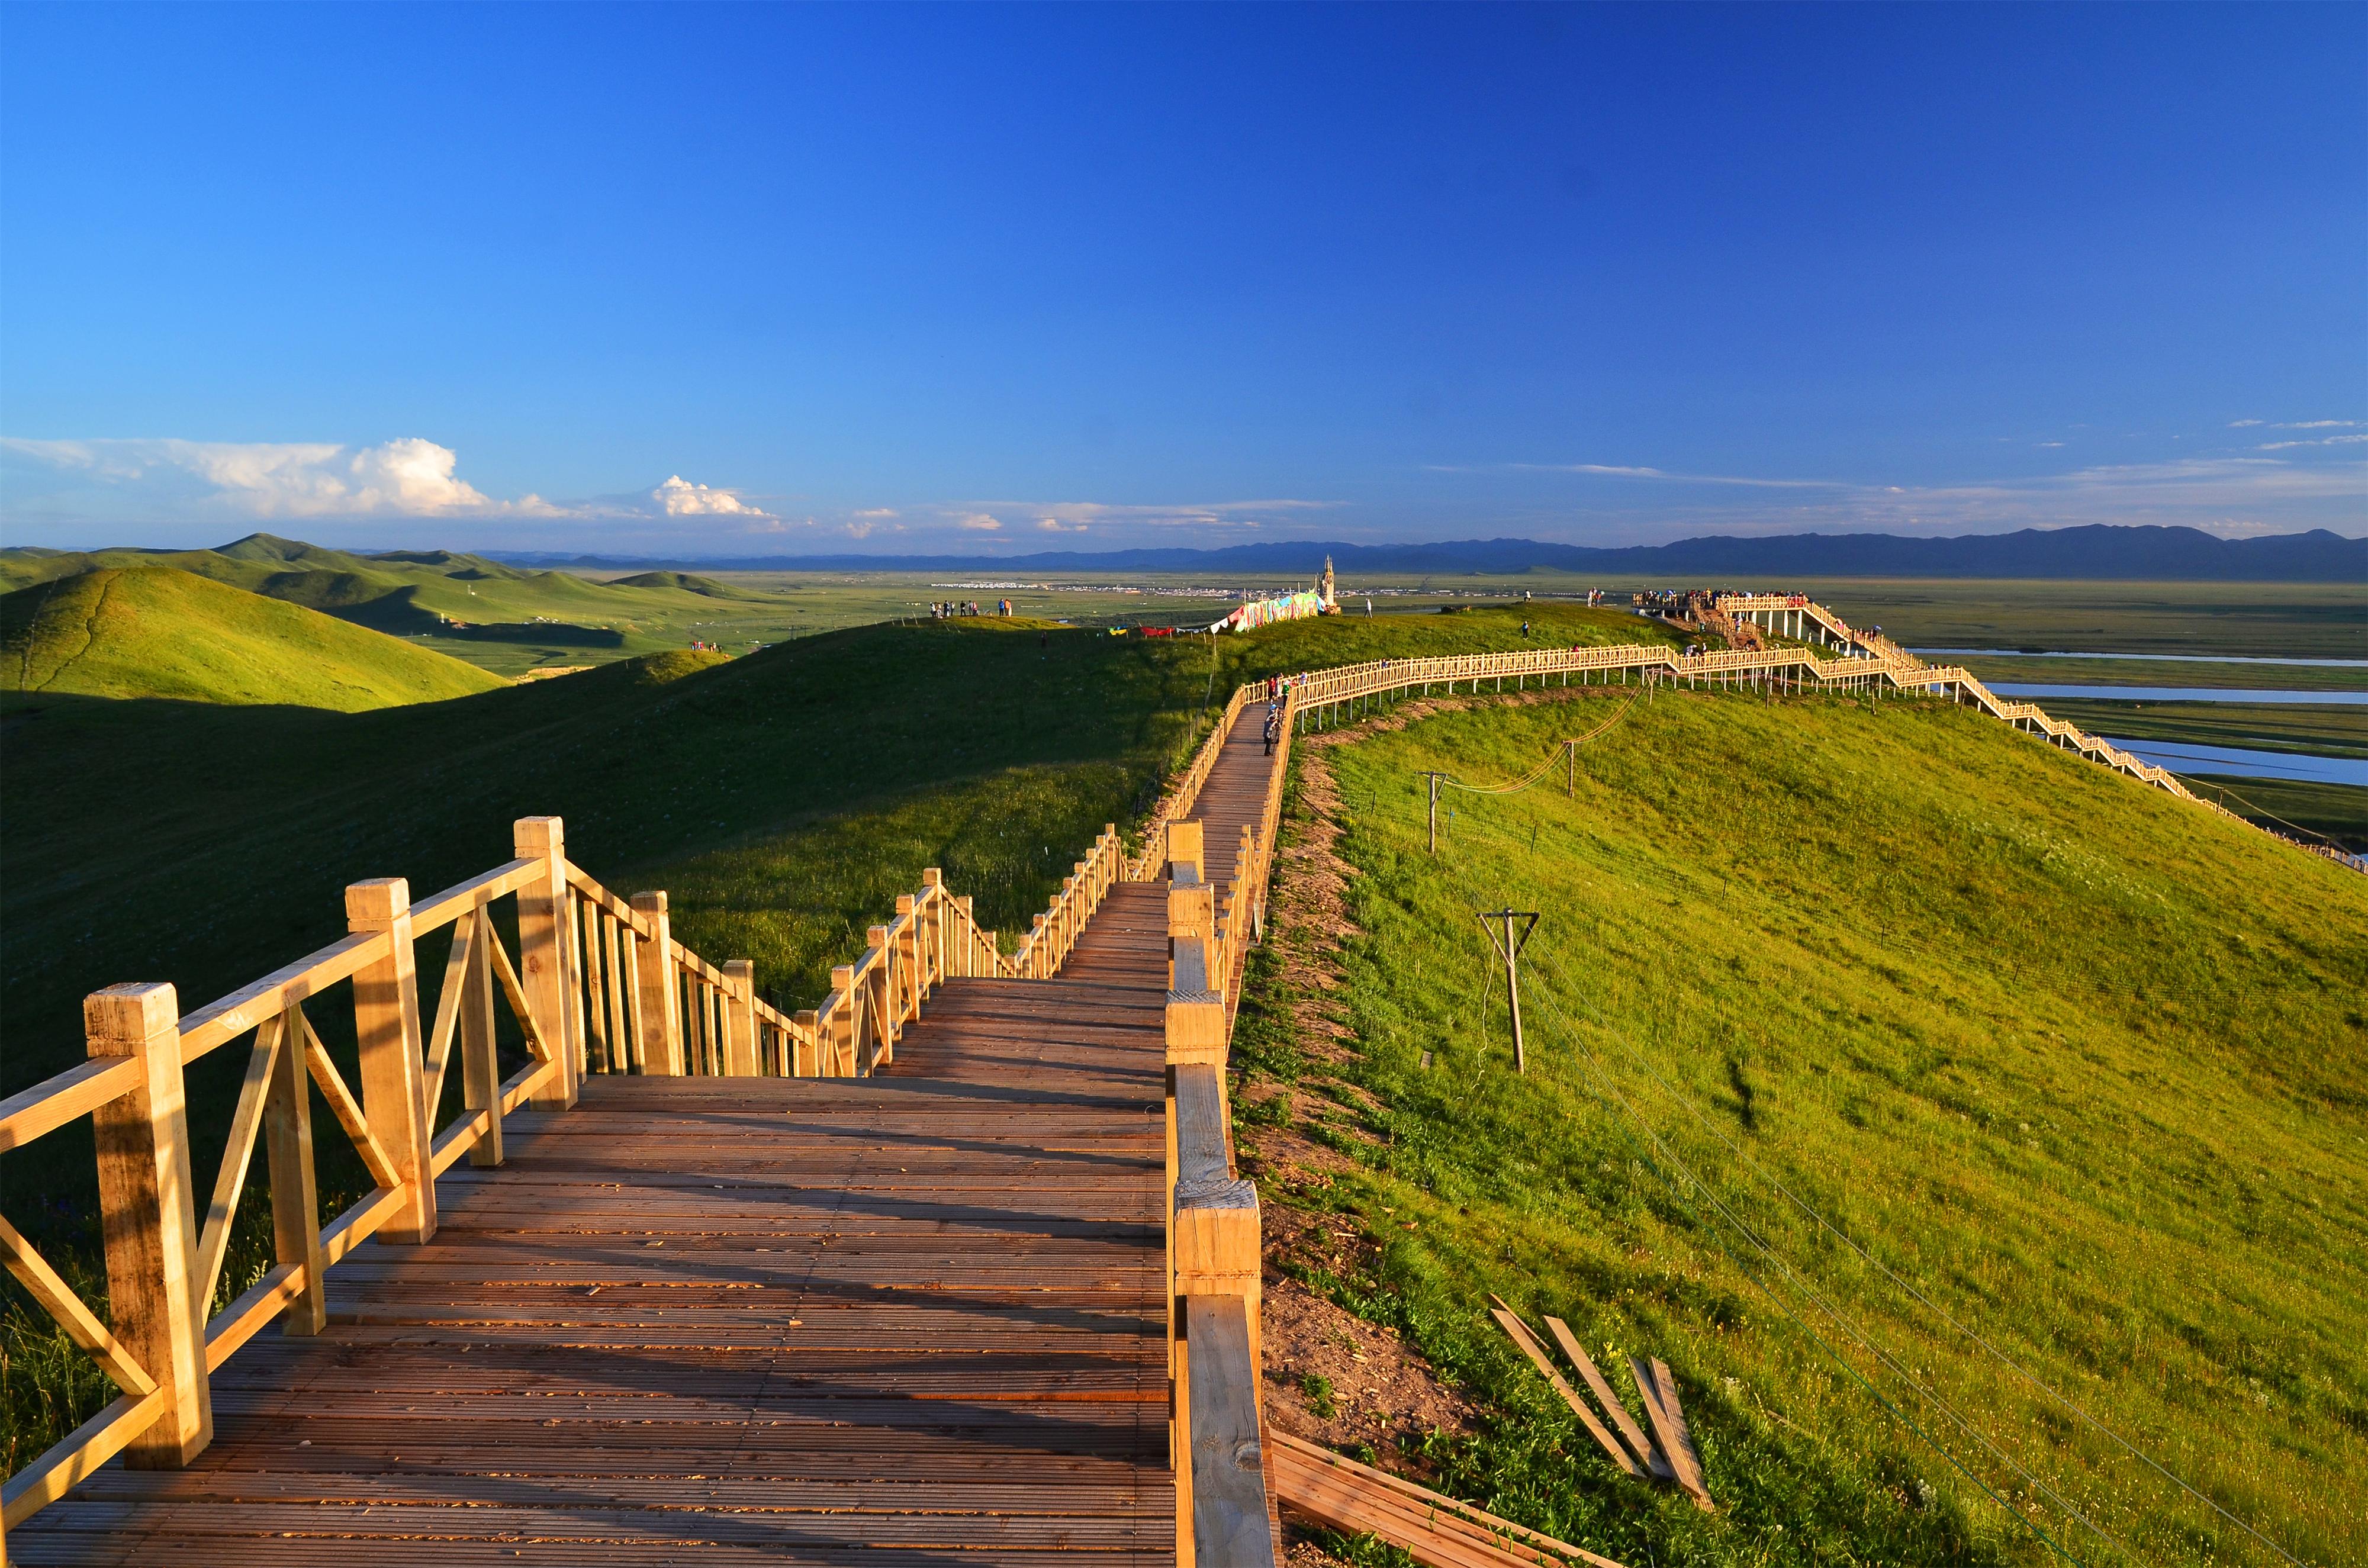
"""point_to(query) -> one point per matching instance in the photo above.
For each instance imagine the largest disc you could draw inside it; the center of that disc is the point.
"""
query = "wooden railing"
(1213, 1257)
(1046, 946)
(1322, 696)
(1184, 792)
(597, 985)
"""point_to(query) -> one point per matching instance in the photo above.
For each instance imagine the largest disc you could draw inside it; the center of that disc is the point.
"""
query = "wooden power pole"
(1434, 779)
(1509, 947)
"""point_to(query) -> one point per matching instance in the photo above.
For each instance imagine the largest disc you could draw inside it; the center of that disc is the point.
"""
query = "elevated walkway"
(884, 1318)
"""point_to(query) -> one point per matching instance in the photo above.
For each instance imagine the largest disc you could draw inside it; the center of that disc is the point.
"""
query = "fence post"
(879, 998)
(740, 1018)
(295, 1199)
(149, 1218)
(841, 1044)
(968, 923)
(912, 959)
(805, 1055)
(661, 1008)
(386, 1029)
(481, 1068)
(545, 972)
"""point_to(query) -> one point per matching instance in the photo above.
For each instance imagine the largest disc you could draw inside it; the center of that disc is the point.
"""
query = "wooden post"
(840, 1054)
(149, 1218)
(295, 1200)
(481, 1069)
(968, 923)
(880, 1001)
(740, 1018)
(1434, 779)
(916, 982)
(386, 1028)
(1510, 949)
(1036, 950)
(545, 973)
(655, 989)
(933, 889)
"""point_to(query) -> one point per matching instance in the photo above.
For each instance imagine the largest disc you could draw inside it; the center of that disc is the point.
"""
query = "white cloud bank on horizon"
(408, 477)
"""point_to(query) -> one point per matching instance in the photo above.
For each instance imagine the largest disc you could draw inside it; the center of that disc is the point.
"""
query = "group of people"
(948, 608)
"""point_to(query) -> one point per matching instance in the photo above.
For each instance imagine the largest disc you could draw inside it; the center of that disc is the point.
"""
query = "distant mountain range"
(2091, 553)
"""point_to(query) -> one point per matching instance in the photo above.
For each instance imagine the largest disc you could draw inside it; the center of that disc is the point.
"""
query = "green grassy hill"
(501, 618)
(160, 631)
(2074, 1064)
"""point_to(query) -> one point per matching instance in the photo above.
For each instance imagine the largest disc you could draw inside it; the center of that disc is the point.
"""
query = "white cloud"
(878, 512)
(408, 477)
(2051, 443)
(2242, 423)
(2322, 425)
(678, 497)
(2314, 442)
(1072, 515)
(979, 522)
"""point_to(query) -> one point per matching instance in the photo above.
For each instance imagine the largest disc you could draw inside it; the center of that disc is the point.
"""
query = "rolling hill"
(506, 618)
(159, 631)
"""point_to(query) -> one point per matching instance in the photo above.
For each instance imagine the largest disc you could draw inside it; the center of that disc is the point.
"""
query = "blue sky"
(758, 279)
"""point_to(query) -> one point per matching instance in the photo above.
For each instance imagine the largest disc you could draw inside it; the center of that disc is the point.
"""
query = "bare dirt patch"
(1331, 1377)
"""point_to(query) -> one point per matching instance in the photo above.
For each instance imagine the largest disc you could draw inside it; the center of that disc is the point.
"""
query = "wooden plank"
(219, 1022)
(1228, 1477)
(57, 1298)
(1613, 1406)
(442, 908)
(295, 1203)
(1520, 1335)
(75, 1456)
(1431, 1527)
(1659, 1391)
(214, 1232)
(51, 1103)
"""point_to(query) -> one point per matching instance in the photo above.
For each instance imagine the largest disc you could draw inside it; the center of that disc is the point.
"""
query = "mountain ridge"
(2096, 552)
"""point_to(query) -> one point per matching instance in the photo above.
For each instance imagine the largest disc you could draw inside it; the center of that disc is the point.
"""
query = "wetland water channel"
(2195, 756)
(2249, 695)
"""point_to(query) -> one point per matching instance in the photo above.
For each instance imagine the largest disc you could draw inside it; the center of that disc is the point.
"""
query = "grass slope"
(501, 618)
(2085, 1067)
(160, 631)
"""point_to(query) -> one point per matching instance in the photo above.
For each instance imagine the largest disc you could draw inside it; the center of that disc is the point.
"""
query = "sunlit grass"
(2081, 1063)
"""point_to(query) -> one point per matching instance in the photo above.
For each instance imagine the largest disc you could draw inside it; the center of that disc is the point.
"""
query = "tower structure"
(1324, 589)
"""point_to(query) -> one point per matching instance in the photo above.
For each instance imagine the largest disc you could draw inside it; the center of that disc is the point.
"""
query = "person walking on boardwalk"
(1273, 730)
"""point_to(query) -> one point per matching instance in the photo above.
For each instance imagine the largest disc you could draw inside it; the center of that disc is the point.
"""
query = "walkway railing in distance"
(1869, 663)
(1216, 1425)
(1184, 792)
(1054, 933)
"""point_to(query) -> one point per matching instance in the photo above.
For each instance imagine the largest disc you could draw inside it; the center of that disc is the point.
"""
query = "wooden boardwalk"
(915, 1317)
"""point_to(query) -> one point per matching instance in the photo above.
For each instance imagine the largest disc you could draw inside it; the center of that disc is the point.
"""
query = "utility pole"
(1434, 779)
(1572, 792)
(1509, 947)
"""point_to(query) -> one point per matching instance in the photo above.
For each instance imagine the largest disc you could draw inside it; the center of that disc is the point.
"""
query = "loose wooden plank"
(1668, 1426)
(1519, 1334)
(1600, 1386)
(1429, 1526)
